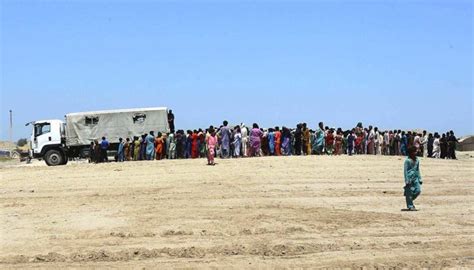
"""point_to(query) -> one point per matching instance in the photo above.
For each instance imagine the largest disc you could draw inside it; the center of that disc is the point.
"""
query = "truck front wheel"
(54, 158)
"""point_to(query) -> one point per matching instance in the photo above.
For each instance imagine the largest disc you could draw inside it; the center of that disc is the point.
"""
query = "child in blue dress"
(413, 179)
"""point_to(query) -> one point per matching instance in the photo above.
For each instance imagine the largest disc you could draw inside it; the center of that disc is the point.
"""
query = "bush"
(22, 142)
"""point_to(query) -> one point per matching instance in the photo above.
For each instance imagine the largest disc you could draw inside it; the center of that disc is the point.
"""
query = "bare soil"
(272, 212)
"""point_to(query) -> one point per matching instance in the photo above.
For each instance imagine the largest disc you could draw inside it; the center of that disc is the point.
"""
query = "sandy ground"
(287, 212)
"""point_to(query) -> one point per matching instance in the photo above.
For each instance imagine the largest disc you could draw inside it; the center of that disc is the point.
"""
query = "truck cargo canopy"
(84, 127)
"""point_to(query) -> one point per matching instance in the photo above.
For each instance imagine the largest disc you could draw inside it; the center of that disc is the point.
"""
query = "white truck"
(57, 141)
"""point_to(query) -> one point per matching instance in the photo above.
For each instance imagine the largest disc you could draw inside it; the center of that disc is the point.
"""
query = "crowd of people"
(242, 141)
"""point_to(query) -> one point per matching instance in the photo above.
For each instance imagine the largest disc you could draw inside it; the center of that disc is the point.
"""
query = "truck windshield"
(42, 128)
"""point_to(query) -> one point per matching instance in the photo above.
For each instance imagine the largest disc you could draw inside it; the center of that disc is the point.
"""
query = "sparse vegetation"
(2, 159)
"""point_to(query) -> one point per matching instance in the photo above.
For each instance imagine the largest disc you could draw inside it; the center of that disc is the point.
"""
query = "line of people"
(241, 141)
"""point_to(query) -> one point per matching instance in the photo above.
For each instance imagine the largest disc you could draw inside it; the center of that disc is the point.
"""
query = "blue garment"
(189, 143)
(350, 140)
(413, 181)
(350, 144)
(150, 146)
(225, 141)
(104, 145)
(237, 144)
(120, 153)
(404, 144)
(286, 146)
(271, 142)
(319, 141)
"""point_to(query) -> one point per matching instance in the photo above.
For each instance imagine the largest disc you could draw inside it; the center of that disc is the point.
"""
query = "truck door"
(42, 136)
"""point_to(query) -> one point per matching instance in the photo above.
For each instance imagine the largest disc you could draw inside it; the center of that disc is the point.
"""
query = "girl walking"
(211, 147)
(413, 180)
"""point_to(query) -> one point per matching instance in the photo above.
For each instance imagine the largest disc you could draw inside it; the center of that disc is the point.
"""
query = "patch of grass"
(2, 159)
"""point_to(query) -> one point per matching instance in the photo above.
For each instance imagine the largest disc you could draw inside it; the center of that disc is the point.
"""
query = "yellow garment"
(136, 150)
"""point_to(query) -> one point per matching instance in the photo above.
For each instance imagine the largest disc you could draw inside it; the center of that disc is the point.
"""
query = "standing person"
(386, 143)
(245, 139)
(231, 142)
(225, 133)
(104, 146)
(189, 144)
(271, 141)
(143, 147)
(172, 146)
(391, 144)
(92, 157)
(97, 152)
(381, 146)
(404, 144)
(179, 144)
(330, 142)
(376, 141)
(452, 141)
(285, 141)
(255, 140)
(397, 142)
(359, 129)
(202, 143)
(120, 151)
(350, 142)
(211, 143)
(338, 140)
(298, 140)
(159, 146)
(424, 143)
(277, 141)
(126, 149)
(136, 148)
(165, 146)
(359, 143)
(417, 143)
(150, 146)
(194, 145)
(443, 146)
(411, 138)
(365, 141)
(171, 120)
(436, 146)
(264, 144)
(184, 144)
(413, 179)
(371, 141)
(429, 144)
(344, 135)
(314, 146)
(237, 141)
(306, 140)
(320, 138)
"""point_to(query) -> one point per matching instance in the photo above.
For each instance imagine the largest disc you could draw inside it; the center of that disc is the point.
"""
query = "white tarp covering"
(83, 128)
(466, 143)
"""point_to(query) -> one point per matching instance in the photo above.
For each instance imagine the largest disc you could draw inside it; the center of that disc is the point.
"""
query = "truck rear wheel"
(54, 158)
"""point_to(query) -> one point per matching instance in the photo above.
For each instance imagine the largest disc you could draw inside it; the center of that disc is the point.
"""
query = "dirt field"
(288, 212)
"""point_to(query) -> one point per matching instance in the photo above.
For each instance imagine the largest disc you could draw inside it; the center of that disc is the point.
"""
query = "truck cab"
(47, 141)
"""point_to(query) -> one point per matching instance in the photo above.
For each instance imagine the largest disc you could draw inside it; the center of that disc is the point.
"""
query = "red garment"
(194, 146)
(338, 144)
(277, 143)
(158, 148)
(358, 140)
(329, 139)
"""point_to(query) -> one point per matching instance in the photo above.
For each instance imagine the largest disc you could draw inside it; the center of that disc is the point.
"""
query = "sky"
(391, 64)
